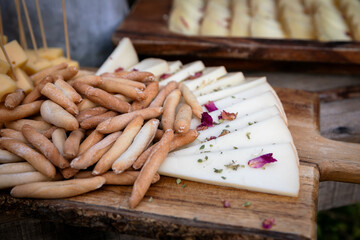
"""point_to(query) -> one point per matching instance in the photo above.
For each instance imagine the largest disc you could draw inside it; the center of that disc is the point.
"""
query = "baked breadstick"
(101, 97)
(56, 115)
(119, 147)
(35, 93)
(170, 104)
(87, 113)
(109, 77)
(57, 189)
(68, 90)
(141, 141)
(11, 133)
(126, 90)
(119, 122)
(158, 135)
(125, 178)
(164, 92)
(14, 179)
(58, 138)
(21, 111)
(95, 152)
(45, 146)
(8, 157)
(136, 76)
(68, 172)
(86, 104)
(39, 125)
(14, 99)
(67, 73)
(90, 141)
(191, 99)
(72, 143)
(19, 167)
(92, 122)
(150, 93)
(37, 160)
(57, 96)
(183, 119)
(91, 80)
(150, 168)
(48, 133)
(37, 77)
(143, 157)
(123, 98)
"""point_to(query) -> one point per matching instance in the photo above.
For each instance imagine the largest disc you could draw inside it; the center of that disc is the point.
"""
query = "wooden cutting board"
(197, 209)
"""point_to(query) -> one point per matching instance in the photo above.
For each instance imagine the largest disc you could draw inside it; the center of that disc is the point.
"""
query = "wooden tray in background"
(146, 26)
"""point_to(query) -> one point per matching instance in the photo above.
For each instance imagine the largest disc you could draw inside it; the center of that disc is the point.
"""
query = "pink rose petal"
(196, 75)
(210, 106)
(165, 76)
(206, 121)
(268, 223)
(119, 69)
(260, 161)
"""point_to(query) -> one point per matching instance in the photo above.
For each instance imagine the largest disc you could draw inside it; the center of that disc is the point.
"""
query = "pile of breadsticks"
(118, 127)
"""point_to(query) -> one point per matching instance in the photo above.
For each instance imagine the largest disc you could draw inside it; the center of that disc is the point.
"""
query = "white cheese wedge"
(174, 66)
(281, 177)
(186, 71)
(156, 66)
(123, 57)
(272, 130)
(229, 80)
(209, 75)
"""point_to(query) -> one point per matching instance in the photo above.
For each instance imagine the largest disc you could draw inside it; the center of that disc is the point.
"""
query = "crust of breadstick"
(21, 111)
(136, 76)
(58, 138)
(68, 91)
(102, 97)
(16, 168)
(123, 98)
(48, 133)
(37, 160)
(126, 178)
(109, 77)
(120, 146)
(94, 153)
(150, 168)
(14, 99)
(191, 99)
(91, 80)
(11, 133)
(143, 157)
(87, 113)
(56, 115)
(9, 157)
(68, 172)
(126, 90)
(158, 135)
(37, 77)
(141, 141)
(92, 122)
(57, 96)
(67, 73)
(57, 189)
(72, 143)
(170, 104)
(119, 122)
(183, 119)
(39, 125)
(45, 146)
(150, 93)
(35, 93)
(14, 179)
(86, 104)
(90, 141)
(164, 92)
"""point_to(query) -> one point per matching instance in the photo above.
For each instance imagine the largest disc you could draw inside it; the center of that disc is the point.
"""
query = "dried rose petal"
(210, 106)
(184, 22)
(119, 69)
(201, 128)
(165, 76)
(206, 121)
(210, 138)
(261, 160)
(224, 132)
(135, 70)
(228, 116)
(196, 75)
(268, 223)
(226, 204)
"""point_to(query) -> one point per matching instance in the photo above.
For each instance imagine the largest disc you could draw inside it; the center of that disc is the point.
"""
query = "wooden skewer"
(30, 28)
(41, 24)
(66, 31)
(1, 27)
(21, 27)
(7, 57)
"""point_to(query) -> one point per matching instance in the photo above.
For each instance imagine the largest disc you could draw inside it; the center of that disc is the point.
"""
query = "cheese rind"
(7, 86)
(16, 54)
(185, 72)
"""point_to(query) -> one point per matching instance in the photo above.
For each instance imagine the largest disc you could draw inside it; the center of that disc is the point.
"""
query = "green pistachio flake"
(202, 147)
(200, 160)
(223, 177)
(232, 166)
(206, 158)
(227, 126)
(233, 96)
(242, 166)
(211, 145)
(178, 181)
(221, 120)
(184, 185)
(248, 135)
(150, 199)
(217, 170)
(247, 204)
(235, 147)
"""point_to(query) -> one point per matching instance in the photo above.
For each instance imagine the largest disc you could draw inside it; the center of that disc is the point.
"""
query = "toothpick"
(30, 28)
(21, 27)
(66, 31)
(1, 27)
(41, 24)
(8, 59)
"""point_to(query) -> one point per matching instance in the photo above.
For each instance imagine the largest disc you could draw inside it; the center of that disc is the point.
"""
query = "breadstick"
(120, 146)
(150, 168)
(68, 172)
(57, 96)
(19, 167)
(125, 178)
(141, 141)
(67, 73)
(72, 143)
(45, 146)
(126, 90)
(68, 90)
(191, 99)
(21, 111)
(91, 80)
(37, 77)
(56, 115)
(109, 77)
(95, 152)
(158, 135)
(183, 119)
(150, 93)
(143, 157)
(164, 92)
(39, 125)
(136, 76)
(92, 122)
(37, 160)
(119, 122)
(8, 157)
(123, 98)
(170, 104)
(14, 99)
(48, 133)
(86, 104)
(90, 141)
(57, 189)
(58, 138)
(87, 113)
(14, 179)
(35, 93)
(101, 97)
(11, 133)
